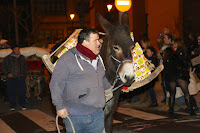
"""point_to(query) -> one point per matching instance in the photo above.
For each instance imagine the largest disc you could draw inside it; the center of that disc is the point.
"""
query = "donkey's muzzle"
(126, 73)
(129, 81)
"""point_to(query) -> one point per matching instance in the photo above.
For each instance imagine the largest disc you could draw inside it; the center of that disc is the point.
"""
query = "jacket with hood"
(76, 85)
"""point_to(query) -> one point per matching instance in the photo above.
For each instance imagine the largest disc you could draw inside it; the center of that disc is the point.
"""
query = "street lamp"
(72, 17)
(109, 6)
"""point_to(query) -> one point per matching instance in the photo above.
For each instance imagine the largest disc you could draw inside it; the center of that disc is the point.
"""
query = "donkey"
(116, 53)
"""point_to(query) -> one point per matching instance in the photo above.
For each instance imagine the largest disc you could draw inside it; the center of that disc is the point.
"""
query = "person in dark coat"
(15, 67)
(176, 72)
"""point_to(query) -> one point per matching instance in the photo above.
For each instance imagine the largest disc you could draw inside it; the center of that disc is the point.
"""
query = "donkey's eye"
(115, 48)
(132, 47)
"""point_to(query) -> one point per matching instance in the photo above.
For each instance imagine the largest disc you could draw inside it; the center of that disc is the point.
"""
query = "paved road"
(129, 118)
(40, 118)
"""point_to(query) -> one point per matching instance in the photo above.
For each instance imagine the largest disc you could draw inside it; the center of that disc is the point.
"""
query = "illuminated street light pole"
(72, 17)
(109, 6)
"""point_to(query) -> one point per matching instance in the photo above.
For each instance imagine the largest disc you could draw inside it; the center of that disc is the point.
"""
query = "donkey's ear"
(125, 22)
(124, 19)
(105, 24)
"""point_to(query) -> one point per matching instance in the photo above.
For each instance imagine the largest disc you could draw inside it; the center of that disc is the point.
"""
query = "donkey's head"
(116, 50)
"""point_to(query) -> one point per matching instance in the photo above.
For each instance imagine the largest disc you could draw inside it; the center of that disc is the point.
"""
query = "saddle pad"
(71, 43)
(140, 62)
(140, 65)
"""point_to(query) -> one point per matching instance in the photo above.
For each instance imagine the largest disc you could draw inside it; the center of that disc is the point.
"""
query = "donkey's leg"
(28, 95)
(110, 109)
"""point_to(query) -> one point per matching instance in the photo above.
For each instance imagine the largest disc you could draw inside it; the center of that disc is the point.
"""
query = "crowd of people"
(176, 55)
(178, 74)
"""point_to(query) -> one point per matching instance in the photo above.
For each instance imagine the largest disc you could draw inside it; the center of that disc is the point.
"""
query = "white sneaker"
(23, 108)
(12, 109)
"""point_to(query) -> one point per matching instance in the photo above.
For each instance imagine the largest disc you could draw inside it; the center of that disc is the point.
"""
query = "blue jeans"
(93, 123)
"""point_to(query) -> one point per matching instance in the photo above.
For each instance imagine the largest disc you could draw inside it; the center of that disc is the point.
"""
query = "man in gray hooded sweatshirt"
(78, 83)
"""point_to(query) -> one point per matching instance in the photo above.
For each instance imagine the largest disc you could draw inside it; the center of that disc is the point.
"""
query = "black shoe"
(192, 113)
(173, 115)
(154, 104)
(163, 101)
(196, 108)
(189, 106)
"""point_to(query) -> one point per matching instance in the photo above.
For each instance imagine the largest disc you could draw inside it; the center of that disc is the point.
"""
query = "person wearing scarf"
(78, 83)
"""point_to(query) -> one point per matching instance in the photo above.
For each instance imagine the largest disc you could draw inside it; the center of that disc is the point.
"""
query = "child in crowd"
(151, 56)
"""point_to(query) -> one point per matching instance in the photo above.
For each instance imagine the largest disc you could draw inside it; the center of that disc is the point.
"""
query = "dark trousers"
(16, 86)
(3, 90)
(152, 94)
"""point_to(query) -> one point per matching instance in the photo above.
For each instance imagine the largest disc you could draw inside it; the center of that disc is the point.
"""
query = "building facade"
(51, 18)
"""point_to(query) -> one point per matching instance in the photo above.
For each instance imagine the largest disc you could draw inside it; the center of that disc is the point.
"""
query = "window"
(50, 7)
(50, 34)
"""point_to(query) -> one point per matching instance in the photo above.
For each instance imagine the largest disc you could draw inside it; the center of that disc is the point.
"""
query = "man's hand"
(109, 93)
(62, 113)
(10, 75)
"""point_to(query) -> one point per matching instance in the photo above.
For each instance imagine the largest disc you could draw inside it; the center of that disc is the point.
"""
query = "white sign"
(122, 2)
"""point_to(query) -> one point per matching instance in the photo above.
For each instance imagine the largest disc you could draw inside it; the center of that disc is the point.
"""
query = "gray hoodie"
(76, 85)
